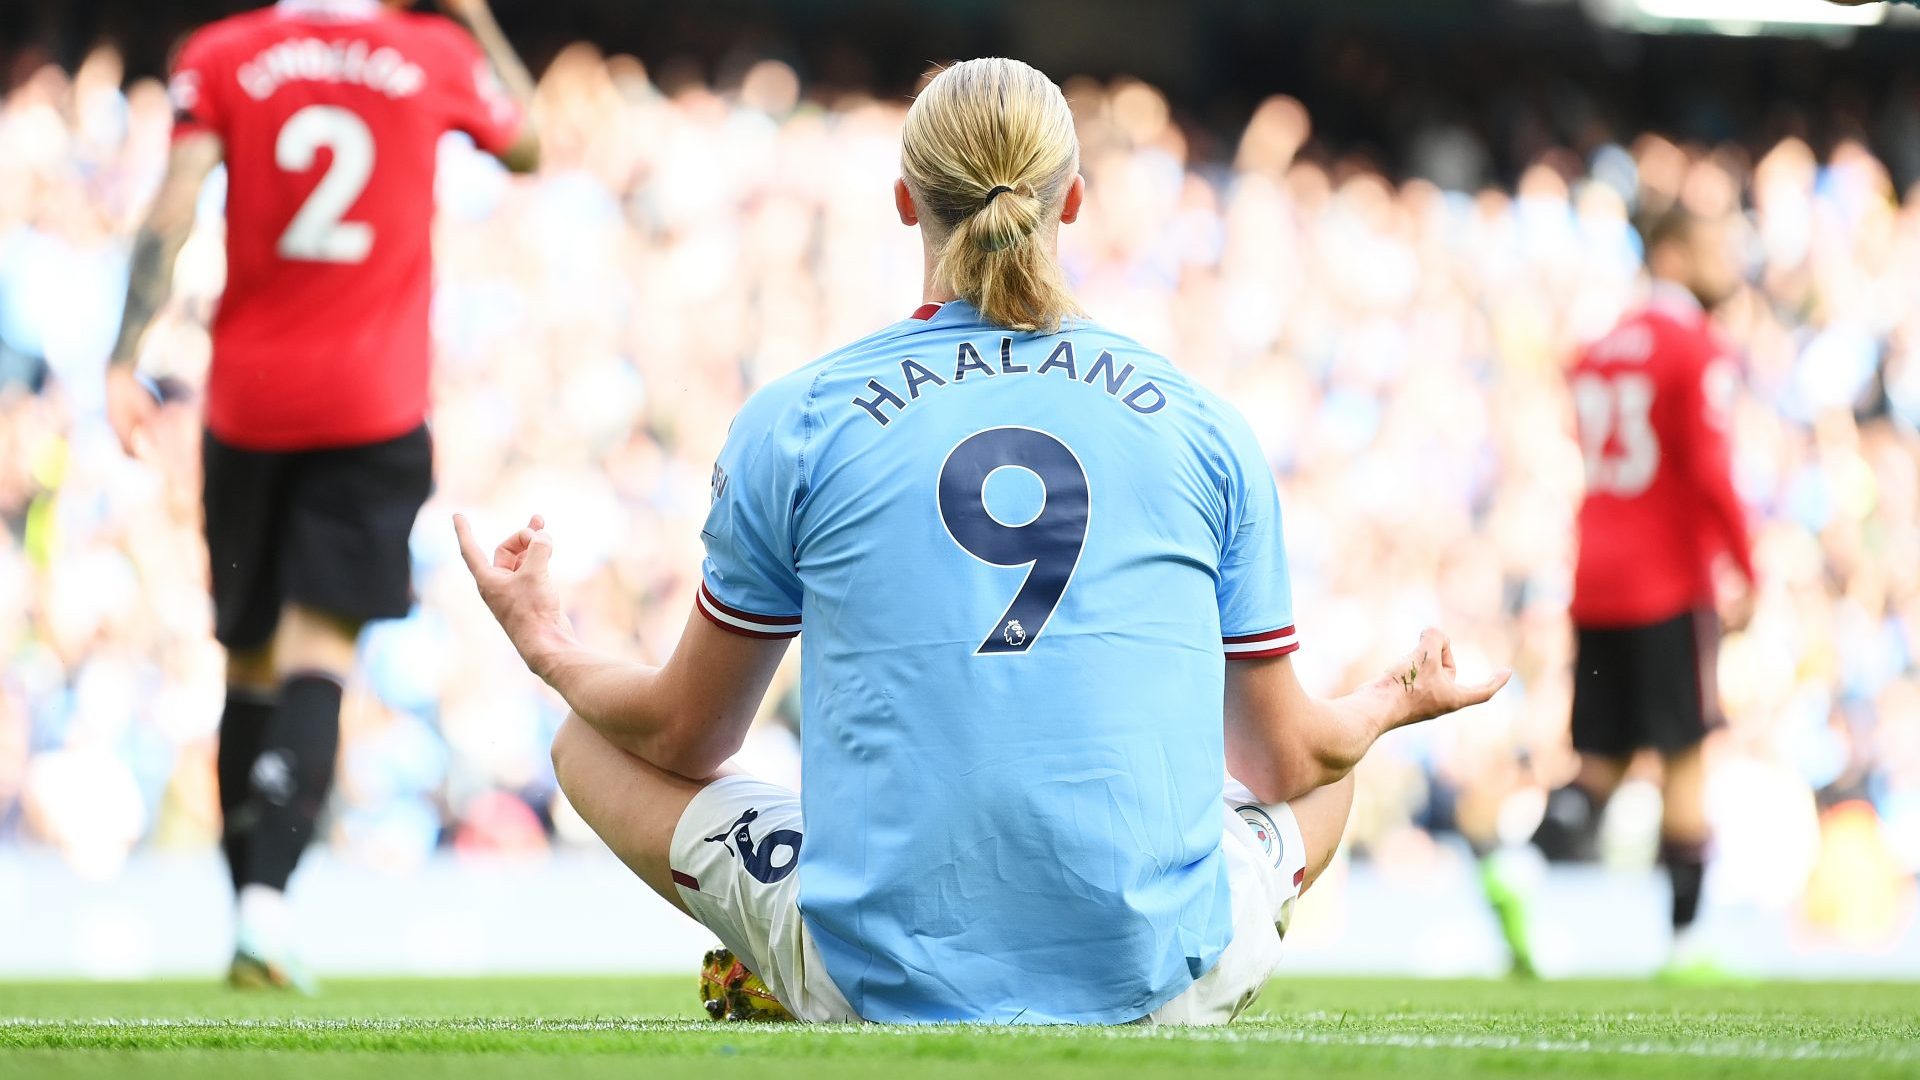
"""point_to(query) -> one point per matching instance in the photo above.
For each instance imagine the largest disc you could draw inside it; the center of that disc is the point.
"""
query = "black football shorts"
(326, 529)
(1646, 687)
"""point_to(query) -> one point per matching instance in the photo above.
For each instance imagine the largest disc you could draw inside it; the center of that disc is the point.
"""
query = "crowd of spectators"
(1397, 345)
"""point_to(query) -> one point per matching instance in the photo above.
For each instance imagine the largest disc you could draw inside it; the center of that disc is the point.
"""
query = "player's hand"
(1736, 613)
(519, 591)
(131, 405)
(1427, 684)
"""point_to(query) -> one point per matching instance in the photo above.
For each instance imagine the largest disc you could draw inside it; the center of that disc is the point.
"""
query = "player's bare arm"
(1282, 742)
(130, 402)
(524, 155)
(685, 717)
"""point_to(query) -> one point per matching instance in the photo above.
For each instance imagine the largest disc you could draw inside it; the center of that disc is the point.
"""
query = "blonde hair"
(988, 153)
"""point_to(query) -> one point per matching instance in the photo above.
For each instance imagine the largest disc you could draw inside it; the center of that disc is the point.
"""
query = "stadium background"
(1379, 227)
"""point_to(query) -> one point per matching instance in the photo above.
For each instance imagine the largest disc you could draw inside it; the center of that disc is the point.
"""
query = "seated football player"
(1040, 583)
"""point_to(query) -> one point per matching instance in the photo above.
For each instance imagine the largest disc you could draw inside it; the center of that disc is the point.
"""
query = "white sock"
(1689, 944)
(263, 919)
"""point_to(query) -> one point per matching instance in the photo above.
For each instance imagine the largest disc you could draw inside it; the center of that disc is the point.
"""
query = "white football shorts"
(734, 854)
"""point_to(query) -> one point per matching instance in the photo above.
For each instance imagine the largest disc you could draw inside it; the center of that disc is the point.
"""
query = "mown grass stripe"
(70, 1031)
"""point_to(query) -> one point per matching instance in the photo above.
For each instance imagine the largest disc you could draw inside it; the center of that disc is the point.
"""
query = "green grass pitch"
(649, 1028)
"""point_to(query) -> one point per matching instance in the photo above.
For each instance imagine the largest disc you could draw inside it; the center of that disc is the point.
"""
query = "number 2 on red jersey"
(319, 231)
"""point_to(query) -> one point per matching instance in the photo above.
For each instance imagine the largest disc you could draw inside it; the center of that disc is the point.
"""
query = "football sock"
(263, 921)
(242, 723)
(290, 778)
(1570, 829)
(1686, 863)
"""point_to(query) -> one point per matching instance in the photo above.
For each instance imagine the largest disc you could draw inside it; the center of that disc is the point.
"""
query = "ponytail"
(989, 152)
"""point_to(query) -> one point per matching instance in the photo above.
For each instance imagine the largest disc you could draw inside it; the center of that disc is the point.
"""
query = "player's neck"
(1667, 293)
(330, 9)
(931, 290)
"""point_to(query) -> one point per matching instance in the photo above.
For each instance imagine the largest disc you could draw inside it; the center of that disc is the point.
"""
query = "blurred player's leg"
(244, 497)
(1569, 831)
(287, 786)
(1684, 836)
(1634, 688)
(1570, 827)
(243, 723)
(1611, 701)
(1684, 831)
(306, 547)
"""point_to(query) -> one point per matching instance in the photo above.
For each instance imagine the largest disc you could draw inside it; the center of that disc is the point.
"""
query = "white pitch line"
(1720, 1049)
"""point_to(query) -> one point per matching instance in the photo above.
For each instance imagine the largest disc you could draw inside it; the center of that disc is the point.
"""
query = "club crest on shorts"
(1264, 831)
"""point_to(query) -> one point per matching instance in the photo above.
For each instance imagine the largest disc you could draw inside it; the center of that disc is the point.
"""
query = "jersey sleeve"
(477, 102)
(196, 89)
(1255, 593)
(1709, 383)
(748, 582)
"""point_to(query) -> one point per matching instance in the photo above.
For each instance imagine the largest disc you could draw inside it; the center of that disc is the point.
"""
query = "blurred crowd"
(1397, 344)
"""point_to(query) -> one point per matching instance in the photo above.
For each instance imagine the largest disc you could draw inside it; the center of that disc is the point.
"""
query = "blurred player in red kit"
(1651, 403)
(328, 115)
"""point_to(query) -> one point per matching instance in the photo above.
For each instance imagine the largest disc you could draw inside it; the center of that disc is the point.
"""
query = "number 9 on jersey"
(1049, 544)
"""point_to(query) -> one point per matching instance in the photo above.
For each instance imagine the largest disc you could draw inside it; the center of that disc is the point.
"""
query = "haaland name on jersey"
(1145, 399)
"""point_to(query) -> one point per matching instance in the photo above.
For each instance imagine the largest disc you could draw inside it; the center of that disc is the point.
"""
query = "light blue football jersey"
(1017, 563)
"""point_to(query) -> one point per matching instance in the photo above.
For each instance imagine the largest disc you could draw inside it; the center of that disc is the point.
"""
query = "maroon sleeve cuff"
(746, 623)
(1259, 646)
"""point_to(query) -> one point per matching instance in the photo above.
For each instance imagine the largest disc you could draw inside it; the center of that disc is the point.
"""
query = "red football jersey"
(1651, 402)
(330, 112)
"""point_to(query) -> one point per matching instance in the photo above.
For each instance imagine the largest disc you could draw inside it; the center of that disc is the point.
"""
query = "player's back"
(1012, 553)
(330, 115)
(1648, 401)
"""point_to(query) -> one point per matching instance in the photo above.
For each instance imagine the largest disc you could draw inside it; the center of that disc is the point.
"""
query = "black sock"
(1686, 863)
(1570, 829)
(242, 725)
(290, 778)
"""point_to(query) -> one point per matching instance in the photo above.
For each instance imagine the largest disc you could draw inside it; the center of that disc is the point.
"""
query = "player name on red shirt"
(330, 115)
(314, 60)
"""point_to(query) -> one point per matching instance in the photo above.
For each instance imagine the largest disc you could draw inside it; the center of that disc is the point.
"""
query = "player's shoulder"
(852, 360)
(436, 42)
(235, 32)
(1654, 335)
(1221, 429)
(1151, 362)
(1196, 416)
(1634, 339)
(1095, 339)
(1088, 331)
(782, 402)
(430, 29)
(779, 403)
(1677, 320)
(875, 355)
